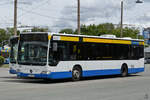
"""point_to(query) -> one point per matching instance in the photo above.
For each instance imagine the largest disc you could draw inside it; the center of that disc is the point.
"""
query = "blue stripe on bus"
(63, 75)
(60, 75)
(101, 72)
(135, 43)
(135, 70)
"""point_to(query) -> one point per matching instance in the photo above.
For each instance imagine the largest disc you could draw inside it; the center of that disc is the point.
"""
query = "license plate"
(30, 75)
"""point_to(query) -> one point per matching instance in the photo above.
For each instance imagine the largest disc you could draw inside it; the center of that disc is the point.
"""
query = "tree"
(108, 28)
(105, 28)
(11, 31)
(37, 29)
(127, 32)
(4, 36)
(97, 30)
(88, 30)
(67, 31)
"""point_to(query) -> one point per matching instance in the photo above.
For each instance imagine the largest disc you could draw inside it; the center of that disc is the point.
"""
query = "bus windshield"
(13, 51)
(33, 49)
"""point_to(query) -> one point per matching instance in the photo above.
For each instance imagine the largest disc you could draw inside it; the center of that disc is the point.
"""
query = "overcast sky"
(59, 14)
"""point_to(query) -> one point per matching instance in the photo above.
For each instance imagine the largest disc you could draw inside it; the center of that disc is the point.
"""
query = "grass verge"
(4, 66)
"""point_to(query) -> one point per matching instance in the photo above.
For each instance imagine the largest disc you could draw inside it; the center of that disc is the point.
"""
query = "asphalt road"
(134, 87)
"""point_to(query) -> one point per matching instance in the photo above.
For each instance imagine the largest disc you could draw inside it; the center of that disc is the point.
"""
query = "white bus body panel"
(13, 68)
(89, 68)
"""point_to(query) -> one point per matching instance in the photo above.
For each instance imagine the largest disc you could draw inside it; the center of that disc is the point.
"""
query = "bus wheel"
(124, 71)
(76, 74)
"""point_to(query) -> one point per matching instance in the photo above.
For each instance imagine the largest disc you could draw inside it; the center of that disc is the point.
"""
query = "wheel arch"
(78, 66)
(124, 65)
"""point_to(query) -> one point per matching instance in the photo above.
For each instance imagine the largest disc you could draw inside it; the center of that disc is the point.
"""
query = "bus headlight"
(45, 72)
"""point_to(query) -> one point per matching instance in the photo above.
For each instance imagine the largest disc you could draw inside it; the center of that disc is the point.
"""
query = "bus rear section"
(59, 56)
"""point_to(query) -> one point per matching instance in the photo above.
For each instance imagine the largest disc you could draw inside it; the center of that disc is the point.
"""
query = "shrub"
(2, 59)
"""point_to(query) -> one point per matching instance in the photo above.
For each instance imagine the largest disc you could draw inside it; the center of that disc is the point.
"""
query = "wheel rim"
(76, 74)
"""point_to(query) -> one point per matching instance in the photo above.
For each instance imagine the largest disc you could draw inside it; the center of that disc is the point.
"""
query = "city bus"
(13, 54)
(60, 56)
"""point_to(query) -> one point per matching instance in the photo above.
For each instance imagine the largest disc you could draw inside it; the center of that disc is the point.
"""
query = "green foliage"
(89, 30)
(1, 60)
(140, 37)
(67, 31)
(11, 31)
(128, 32)
(37, 29)
(25, 31)
(3, 36)
(97, 30)
(108, 28)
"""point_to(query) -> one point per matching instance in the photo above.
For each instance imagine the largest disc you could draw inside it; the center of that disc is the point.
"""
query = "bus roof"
(88, 36)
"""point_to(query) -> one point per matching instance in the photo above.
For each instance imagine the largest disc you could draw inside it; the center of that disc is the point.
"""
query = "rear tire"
(76, 74)
(124, 71)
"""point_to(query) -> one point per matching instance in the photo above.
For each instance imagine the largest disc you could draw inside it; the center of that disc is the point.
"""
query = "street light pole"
(15, 17)
(121, 26)
(78, 15)
(139, 1)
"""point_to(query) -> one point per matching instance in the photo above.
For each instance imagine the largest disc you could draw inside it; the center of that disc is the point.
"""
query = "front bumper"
(12, 71)
(52, 75)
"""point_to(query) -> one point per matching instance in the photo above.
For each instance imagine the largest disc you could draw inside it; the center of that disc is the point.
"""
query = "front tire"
(124, 71)
(76, 74)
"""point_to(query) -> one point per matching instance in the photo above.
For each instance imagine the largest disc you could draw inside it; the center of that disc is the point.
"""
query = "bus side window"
(73, 51)
(56, 52)
(135, 52)
(141, 52)
(60, 51)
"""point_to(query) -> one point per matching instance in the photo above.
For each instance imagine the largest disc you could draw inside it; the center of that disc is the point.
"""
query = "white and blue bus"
(59, 56)
(13, 54)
